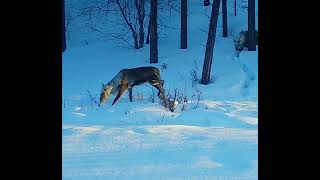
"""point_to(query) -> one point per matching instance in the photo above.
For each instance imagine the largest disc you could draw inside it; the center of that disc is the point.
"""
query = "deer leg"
(130, 93)
(123, 88)
(158, 86)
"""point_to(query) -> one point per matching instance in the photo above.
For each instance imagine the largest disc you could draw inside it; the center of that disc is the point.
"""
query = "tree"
(153, 32)
(251, 26)
(235, 7)
(184, 25)
(224, 18)
(126, 12)
(148, 34)
(206, 2)
(63, 28)
(210, 43)
(141, 15)
(127, 15)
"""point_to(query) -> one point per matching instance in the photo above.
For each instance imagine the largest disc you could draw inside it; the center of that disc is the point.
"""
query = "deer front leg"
(123, 87)
(130, 93)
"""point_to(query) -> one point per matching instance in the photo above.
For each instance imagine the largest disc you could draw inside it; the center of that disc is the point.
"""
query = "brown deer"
(126, 79)
(241, 42)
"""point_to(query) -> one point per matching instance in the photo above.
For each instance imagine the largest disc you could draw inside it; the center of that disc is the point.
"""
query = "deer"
(241, 42)
(126, 79)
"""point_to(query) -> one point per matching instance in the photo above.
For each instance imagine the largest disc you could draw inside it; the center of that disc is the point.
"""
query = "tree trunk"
(210, 43)
(224, 18)
(251, 26)
(206, 2)
(235, 7)
(63, 28)
(141, 34)
(141, 14)
(153, 33)
(148, 34)
(135, 39)
(184, 25)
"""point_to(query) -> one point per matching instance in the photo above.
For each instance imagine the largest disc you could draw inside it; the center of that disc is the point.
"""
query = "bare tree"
(224, 18)
(184, 25)
(240, 5)
(63, 28)
(153, 32)
(206, 2)
(122, 20)
(148, 34)
(251, 26)
(210, 43)
(131, 22)
(128, 18)
(140, 4)
(235, 7)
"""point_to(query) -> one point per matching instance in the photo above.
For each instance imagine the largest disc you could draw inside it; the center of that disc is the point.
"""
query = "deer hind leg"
(158, 84)
(123, 88)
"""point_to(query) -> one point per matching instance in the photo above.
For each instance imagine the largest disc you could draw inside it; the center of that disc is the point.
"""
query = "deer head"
(105, 92)
(240, 41)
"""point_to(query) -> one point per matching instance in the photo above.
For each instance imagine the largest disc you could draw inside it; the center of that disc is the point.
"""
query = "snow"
(158, 152)
(213, 138)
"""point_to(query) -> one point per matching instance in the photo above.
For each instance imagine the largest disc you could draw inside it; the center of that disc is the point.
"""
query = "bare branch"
(125, 17)
(119, 37)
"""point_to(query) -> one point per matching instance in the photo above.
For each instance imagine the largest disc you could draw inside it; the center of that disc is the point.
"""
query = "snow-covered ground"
(213, 138)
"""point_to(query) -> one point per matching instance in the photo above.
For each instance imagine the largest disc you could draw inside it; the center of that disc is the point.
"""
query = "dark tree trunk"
(153, 32)
(210, 43)
(141, 14)
(63, 28)
(206, 2)
(141, 35)
(251, 26)
(135, 39)
(148, 34)
(235, 7)
(184, 25)
(224, 18)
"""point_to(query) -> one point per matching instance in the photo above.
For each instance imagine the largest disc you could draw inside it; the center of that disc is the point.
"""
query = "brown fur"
(242, 41)
(126, 79)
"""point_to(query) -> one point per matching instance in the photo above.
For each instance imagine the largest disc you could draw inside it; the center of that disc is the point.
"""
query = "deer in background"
(241, 42)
